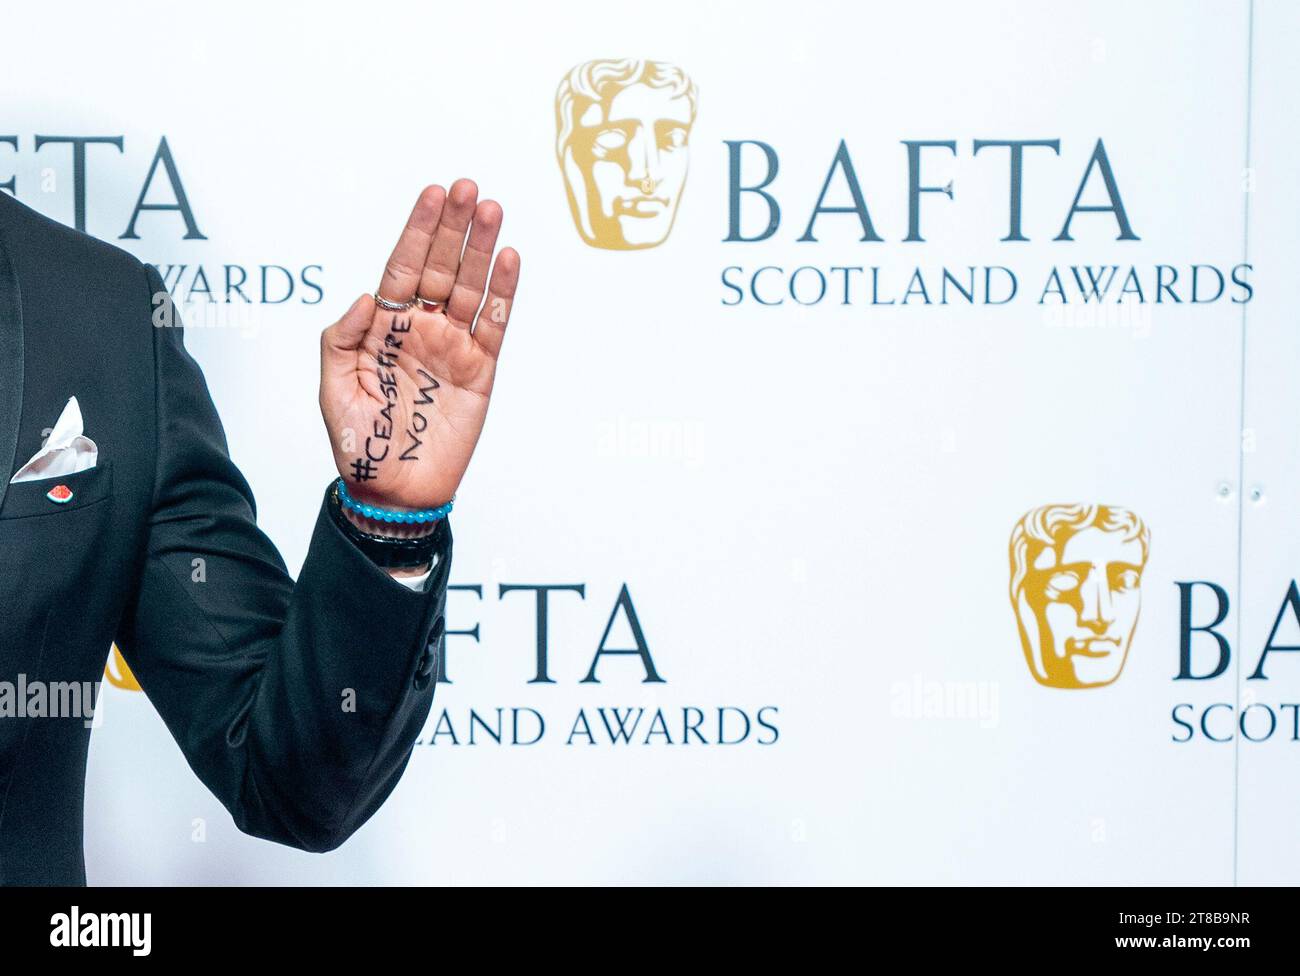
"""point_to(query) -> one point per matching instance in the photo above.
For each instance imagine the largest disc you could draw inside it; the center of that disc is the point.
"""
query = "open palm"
(405, 393)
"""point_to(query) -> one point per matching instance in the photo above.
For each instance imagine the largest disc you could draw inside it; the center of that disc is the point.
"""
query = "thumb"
(340, 342)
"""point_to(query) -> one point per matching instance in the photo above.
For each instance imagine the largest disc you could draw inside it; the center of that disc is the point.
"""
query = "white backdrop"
(809, 505)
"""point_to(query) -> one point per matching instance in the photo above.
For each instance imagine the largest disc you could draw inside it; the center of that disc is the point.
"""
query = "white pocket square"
(67, 450)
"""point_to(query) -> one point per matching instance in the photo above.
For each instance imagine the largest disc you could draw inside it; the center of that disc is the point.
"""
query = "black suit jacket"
(251, 672)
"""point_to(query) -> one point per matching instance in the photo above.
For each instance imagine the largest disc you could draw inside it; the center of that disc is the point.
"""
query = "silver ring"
(429, 306)
(385, 304)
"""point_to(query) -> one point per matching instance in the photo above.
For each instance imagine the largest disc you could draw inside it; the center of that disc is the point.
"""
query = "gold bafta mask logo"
(1076, 576)
(623, 131)
(118, 672)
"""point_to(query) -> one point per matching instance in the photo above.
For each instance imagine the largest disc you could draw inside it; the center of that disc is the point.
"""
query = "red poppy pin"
(59, 494)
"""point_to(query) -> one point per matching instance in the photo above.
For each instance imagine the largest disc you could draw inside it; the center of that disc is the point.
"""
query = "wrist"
(393, 539)
(391, 530)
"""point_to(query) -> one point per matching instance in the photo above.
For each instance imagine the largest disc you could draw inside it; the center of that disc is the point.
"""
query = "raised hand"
(405, 393)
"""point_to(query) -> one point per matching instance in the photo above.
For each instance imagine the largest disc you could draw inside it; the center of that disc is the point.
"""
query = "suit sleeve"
(298, 705)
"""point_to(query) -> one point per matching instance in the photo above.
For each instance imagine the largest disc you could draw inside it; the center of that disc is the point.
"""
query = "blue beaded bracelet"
(421, 517)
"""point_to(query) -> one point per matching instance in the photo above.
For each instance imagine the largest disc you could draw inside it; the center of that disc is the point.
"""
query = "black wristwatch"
(387, 551)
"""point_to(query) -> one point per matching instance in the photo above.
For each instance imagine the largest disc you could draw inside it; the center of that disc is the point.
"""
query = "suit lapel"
(11, 366)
